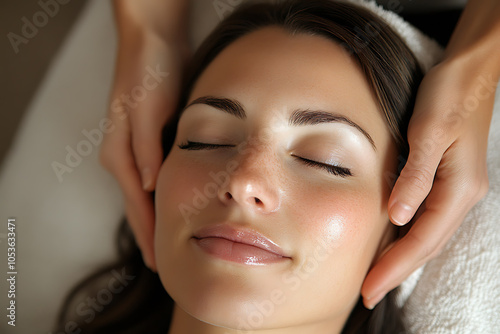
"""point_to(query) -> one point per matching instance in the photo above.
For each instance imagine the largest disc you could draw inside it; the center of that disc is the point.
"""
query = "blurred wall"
(32, 32)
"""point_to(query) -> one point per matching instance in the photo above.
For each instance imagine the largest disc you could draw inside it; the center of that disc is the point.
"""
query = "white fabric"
(65, 229)
(408, 6)
(426, 50)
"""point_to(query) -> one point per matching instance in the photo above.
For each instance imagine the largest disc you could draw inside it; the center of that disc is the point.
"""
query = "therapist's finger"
(457, 187)
(140, 213)
(415, 181)
(117, 157)
(139, 207)
(160, 87)
(147, 122)
(441, 217)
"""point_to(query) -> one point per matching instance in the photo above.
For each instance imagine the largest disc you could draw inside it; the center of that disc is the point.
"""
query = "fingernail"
(401, 213)
(372, 302)
(147, 178)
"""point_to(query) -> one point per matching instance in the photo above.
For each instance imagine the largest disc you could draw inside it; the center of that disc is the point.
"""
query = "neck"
(183, 323)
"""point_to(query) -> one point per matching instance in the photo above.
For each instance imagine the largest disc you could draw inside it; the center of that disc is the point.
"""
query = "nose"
(253, 185)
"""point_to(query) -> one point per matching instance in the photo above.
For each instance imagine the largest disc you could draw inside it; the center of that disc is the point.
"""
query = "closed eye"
(335, 170)
(197, 146)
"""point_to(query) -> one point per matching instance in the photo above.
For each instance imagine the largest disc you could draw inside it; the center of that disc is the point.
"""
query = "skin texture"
(331, 227)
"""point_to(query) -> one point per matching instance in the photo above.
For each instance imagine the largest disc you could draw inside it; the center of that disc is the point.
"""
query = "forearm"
(475, 42)
(165, 18)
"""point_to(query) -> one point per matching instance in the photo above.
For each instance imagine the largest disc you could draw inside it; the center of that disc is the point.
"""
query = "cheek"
(342, 216)
(180, 201)
(344, 221)
(177, 203)
(183, 190)
(338, 229)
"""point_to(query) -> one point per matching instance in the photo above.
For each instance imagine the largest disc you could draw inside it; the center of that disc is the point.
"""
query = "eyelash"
(197, 146)
(335, 170)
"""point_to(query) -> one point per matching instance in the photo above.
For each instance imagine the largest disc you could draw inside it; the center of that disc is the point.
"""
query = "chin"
(232, 307)
(225, 294)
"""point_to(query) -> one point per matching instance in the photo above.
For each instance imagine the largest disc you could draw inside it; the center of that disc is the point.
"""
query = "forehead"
(270, 69)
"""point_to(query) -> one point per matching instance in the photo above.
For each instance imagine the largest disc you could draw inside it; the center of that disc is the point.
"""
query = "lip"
(238, 245)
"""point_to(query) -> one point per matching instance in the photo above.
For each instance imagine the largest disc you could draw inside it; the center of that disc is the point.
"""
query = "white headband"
(427, 51)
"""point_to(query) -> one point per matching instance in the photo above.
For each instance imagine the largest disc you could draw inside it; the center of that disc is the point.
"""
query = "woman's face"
(298, 152)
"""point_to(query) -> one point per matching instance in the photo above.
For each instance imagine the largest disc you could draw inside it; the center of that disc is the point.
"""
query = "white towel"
(426, 50)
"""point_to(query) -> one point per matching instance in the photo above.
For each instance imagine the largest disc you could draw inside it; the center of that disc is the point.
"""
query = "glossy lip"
(243, 236)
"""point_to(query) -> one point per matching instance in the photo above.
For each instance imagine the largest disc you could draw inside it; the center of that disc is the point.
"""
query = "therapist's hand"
(144, 95)
(448, 136)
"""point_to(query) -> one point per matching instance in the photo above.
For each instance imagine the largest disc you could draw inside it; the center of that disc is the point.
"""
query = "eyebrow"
(300, 117)
(229, 106)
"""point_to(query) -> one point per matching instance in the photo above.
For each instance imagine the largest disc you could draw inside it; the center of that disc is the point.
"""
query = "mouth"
(238, 245)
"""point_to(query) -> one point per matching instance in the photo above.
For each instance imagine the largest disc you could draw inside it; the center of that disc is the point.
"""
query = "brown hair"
(393, 74)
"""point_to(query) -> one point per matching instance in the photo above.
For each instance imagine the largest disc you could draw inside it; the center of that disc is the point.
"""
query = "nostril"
(257, 201)
(229, 196)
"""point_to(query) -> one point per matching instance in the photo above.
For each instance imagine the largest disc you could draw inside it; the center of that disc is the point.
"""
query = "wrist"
(475, 62)
(475, 45)
(142, 40)
(152, 19)
(480, 58)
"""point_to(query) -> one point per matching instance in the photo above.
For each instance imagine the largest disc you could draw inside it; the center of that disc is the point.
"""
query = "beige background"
(21, 73)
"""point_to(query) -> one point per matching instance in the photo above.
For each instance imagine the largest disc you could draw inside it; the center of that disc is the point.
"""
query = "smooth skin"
(447, 134)
(332, 226)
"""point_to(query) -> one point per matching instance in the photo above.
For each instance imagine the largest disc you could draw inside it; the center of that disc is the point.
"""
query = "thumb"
(148, 155)
(414, 182)
(147, 126)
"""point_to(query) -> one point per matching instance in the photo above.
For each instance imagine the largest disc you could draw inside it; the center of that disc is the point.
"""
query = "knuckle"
(476, 189)
(484, 187)
(420, 179)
